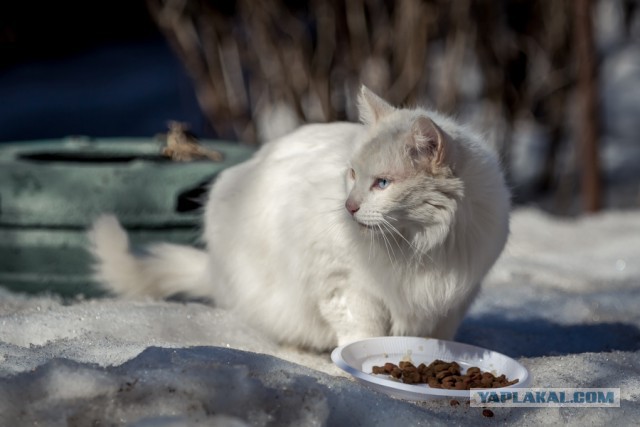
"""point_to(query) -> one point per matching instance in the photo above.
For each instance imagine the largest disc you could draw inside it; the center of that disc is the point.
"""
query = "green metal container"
(51, 191)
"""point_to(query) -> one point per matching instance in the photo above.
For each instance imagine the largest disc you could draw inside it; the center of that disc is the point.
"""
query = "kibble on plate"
(440, 374)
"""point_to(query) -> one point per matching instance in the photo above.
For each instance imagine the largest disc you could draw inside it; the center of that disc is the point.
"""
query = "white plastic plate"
(359, 357)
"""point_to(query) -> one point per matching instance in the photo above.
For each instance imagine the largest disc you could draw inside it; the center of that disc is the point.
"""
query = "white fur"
(166, 269)
(287, 256)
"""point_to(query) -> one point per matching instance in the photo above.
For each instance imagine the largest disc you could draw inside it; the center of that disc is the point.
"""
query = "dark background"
(101, 69)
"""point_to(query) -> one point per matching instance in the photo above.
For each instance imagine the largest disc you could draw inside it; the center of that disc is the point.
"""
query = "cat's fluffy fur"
(338, 231)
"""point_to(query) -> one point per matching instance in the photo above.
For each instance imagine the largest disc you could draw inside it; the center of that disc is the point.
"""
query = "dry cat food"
(487, 413)
(439, 374)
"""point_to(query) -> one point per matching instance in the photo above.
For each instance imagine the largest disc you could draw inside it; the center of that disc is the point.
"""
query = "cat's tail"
(164, 270)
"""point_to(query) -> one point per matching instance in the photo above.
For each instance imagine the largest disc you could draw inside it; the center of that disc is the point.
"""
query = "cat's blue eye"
(381, 183)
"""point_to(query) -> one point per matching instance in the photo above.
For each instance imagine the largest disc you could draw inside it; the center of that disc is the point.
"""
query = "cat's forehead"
(385, 150)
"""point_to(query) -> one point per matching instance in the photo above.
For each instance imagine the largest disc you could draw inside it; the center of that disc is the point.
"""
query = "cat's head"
(402, 179)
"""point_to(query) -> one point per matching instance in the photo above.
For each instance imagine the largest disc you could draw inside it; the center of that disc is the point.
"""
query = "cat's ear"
(428, 143)
(371, 107)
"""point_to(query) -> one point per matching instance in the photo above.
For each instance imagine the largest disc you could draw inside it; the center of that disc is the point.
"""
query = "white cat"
(338, 232)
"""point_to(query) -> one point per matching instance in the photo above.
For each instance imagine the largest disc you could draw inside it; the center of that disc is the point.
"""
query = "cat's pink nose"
(351, 206)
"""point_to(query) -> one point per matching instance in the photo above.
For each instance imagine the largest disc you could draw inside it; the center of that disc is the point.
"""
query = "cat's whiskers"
(413, 257)
(329, 218)
(371, 242)
(417, 254)
(331, 226)
(389, 248)
(394, 231)
(392, 236)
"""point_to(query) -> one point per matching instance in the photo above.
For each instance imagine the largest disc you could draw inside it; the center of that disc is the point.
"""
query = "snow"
(562, 300)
